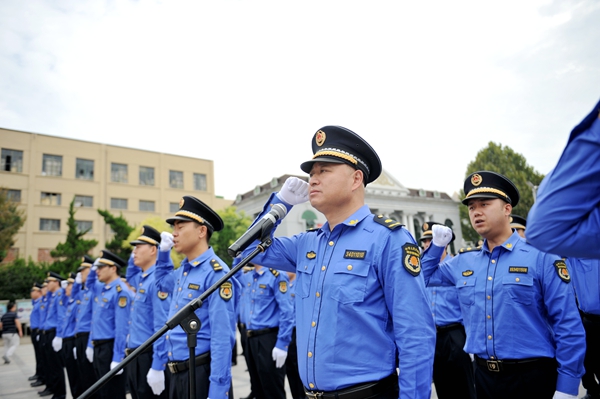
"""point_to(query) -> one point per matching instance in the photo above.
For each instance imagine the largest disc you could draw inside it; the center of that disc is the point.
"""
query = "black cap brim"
(172, 220)
(307, 166)
(138, 242)
(484, 195)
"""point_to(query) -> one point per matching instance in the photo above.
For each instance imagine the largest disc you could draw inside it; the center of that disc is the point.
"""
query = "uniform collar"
(208, 254)
(149, 271)
(259, 272)
(354, 219)
(509, 244)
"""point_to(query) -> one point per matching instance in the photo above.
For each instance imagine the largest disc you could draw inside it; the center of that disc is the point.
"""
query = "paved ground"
(14, 384)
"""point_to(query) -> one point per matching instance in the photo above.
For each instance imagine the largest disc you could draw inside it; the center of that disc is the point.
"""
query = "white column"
(410, 225)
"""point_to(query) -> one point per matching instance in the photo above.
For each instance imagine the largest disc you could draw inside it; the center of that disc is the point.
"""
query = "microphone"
(259, 230)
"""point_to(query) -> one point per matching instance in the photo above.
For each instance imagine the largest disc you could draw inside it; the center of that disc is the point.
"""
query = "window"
(118, 203)
(173, 207)
(84, 226)
(50, 199)
(12, 160)
(118, 173)
(52, 165)
(84, 169)
(50, 224)
(199, 181)
(146, 206)
(175, 179)
(12, 195)
(86, 201)
(146, 176)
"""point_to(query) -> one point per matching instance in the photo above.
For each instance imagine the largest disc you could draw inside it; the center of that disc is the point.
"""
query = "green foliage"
(505, 161)
(119, 244)
(236, 224)
(17, 278)
(11, 220)
(69, 253)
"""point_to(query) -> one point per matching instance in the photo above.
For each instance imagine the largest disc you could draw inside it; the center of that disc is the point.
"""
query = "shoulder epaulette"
(247, 269)
(119, 289)
(468, 249)
(215, 265)
(387, 222)
(275, 272)
(313, 229)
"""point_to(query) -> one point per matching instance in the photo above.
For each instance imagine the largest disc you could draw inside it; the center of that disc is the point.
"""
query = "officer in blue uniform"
(146, 373)
(67, 332)
(519, 312)
(361, 305)
(34, 324)
(291, 362)
(585, 274)
(55, 378)
(268, 329)
(40, 337)
(193, 225)
(519, 224)
(83, 321)
(243, 312)
(110, 314)
(452, 366)
(565, 218)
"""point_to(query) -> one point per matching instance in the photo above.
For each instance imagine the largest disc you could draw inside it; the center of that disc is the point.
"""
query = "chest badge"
(283, 287)
(311, 255)
(411, 259)
(226, 291)
(162, 295)
(467, 273)
(122, 301)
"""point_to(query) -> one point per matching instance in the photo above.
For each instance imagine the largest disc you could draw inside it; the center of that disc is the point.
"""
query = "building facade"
(386, 195)
(45, 173)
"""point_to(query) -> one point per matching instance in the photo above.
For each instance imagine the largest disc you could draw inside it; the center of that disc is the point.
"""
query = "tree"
(11, 220)
(235, 225)
(160, 225)
(74, 247)
(118, 245)
(18, 276)
(505, 161)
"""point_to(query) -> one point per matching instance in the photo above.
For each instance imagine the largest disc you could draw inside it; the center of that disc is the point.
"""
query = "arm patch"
(561, 269)
(387, 222)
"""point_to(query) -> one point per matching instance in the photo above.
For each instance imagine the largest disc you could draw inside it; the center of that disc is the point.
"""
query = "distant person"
(11, 331)
(519, 224)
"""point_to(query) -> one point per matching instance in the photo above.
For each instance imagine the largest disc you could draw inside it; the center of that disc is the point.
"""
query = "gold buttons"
(349, 267)
(311, 385)
(493, 260)
(490, 278)
(323, 267)
(167, 337)
(313, 324)
(179, 289)
(331, 243)
(318, 295)
(184, 273)
(309, 354)
(189, 295)
(464, 283)
(489, 317)
(489, 337)
(517, 279)
(489, 297)
(170, 354)
(140, 284)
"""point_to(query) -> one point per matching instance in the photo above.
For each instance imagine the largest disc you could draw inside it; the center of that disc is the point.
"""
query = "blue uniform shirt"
(63, 302)
(445, 307)
(83, 317)
(269, 304)
(292, 291)
(70, 317)
(149, 312)
(586, 283)
(565, 218)
(516, 303)
(110, 313)
(52, 310)
(359, 297)
(44, 309)
(34, 317)
(217, 315)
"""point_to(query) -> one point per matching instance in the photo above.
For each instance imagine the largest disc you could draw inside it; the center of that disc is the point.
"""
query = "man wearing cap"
(193, 225)
(66, 330)
(110, 314)
(519, 223)
(83, 320)
(519, 312)
(268, 330)
(565, 218)
(452, 366)
(146, 373)
(55, 377)
(361, 305)
(34, 324)
(40, 337)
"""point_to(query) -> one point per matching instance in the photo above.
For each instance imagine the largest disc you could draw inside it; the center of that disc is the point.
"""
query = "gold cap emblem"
(320, 138)
(181, 202)
(476, 179)
(425, 226)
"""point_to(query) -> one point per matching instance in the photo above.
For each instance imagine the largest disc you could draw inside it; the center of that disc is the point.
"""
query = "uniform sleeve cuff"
(567, 384)
(163, 256)
(218, 391)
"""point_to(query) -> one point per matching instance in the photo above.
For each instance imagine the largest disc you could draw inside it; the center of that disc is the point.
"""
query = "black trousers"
(244, 343)
(87, 375)
(55, 376)
(36, 340)
(291, 370)
(115, 388)
(592, 356)
(452, 366)
(136, 375)
(538, 382)
(179, 384)
(268, 380)
(71, 364)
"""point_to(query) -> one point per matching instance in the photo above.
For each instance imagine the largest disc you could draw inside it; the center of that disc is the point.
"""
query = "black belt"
(49, 331)
(254, 333)
(99, 342)
(513, 365)
(361, 391)
(35, 330)
(177, 367)
(68, 339)
(82, 334)
(449, 327)
(591, 317)
(129, 351)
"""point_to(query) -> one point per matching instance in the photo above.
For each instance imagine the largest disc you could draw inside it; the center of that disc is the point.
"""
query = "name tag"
(194, 287)
(263, 286)
(518, 269)
(350, 254)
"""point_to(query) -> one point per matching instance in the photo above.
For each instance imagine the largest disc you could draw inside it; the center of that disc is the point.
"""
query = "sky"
(247, 83)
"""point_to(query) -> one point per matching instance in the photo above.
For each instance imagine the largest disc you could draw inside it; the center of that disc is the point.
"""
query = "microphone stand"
(189, 322)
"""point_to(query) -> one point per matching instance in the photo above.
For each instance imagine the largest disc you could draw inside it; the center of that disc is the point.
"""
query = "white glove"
(561, 395)
(115, 364)
(279, 357)
(57, 344)
(95, 264)
(166, 242)
(294, 191)
(37, 338)
(156, 380)
(75, 353)
(442, 235)
(78, 278)
(89, 353)
(63, 284)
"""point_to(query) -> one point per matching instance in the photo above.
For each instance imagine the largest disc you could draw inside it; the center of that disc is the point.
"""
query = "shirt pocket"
(304, 277)
(519, 288)
(466, 291)
(349, 283)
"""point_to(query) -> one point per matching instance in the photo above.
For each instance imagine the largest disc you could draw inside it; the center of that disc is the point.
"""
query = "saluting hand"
(166, 241)
(294, 191)
(442, 235)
